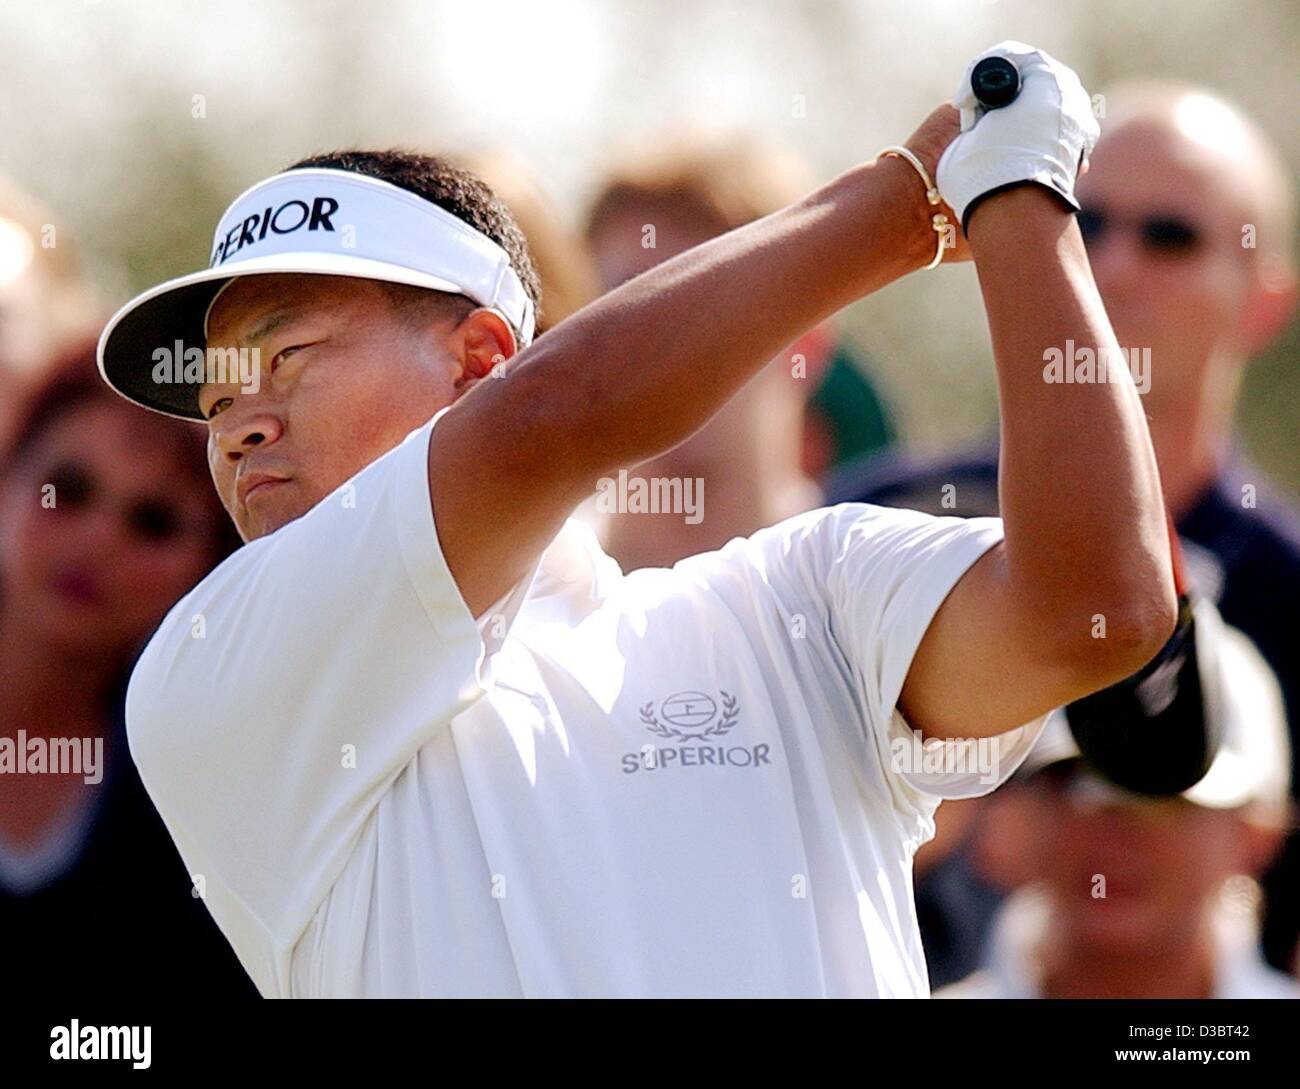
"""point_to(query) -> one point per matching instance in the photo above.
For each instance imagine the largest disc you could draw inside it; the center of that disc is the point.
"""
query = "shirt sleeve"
(280, 698)
(877, 576)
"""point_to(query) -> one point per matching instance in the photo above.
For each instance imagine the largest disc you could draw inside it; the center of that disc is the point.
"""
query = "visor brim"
(174, 312)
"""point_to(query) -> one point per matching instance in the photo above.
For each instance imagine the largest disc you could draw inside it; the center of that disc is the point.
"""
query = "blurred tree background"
(138, 120)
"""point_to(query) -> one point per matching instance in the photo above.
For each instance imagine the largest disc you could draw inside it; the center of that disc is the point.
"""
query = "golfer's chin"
(269, 510)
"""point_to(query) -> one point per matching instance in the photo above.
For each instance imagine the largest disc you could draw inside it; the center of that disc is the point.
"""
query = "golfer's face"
(338, 379)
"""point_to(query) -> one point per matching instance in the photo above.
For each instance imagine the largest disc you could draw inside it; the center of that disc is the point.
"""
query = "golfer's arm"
(641, 369)
(1086, 549)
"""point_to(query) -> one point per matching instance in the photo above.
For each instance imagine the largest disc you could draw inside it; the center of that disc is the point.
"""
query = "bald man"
(1188, 215)
(1190, 227)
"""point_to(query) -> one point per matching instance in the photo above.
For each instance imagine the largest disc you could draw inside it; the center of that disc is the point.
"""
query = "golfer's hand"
(1044, 136)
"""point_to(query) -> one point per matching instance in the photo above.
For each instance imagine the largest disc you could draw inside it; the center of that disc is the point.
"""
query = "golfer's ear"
(482, 340)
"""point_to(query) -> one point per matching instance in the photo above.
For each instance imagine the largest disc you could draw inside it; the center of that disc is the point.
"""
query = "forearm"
(1080, 493)
(641, 369)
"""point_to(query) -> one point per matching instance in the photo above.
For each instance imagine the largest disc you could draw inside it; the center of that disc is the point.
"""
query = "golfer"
(421, 737)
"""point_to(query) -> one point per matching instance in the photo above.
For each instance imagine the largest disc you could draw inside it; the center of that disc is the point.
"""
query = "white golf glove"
(1043, 136)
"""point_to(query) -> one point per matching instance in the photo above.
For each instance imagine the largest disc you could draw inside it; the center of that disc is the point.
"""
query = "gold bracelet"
(939, 221)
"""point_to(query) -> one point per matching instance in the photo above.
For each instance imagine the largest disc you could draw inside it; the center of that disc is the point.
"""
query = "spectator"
(672, 195)
(1124, 896)
(1180, 183)
(106, 519)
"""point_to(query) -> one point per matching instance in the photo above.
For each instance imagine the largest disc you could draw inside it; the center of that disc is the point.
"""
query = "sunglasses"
(152, 521)
(1160, 235)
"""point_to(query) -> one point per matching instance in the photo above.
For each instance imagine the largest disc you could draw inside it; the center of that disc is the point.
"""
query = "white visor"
(323, 222)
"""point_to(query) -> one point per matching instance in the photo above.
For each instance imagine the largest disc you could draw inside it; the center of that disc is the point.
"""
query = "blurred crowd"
(107, 517)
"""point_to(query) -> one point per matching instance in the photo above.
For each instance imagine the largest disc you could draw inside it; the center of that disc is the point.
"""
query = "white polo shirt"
(671, 783)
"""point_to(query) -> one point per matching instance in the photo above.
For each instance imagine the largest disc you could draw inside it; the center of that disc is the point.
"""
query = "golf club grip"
(995, 82)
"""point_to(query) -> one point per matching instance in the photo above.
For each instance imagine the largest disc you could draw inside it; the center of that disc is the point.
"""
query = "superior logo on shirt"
(693, 716)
